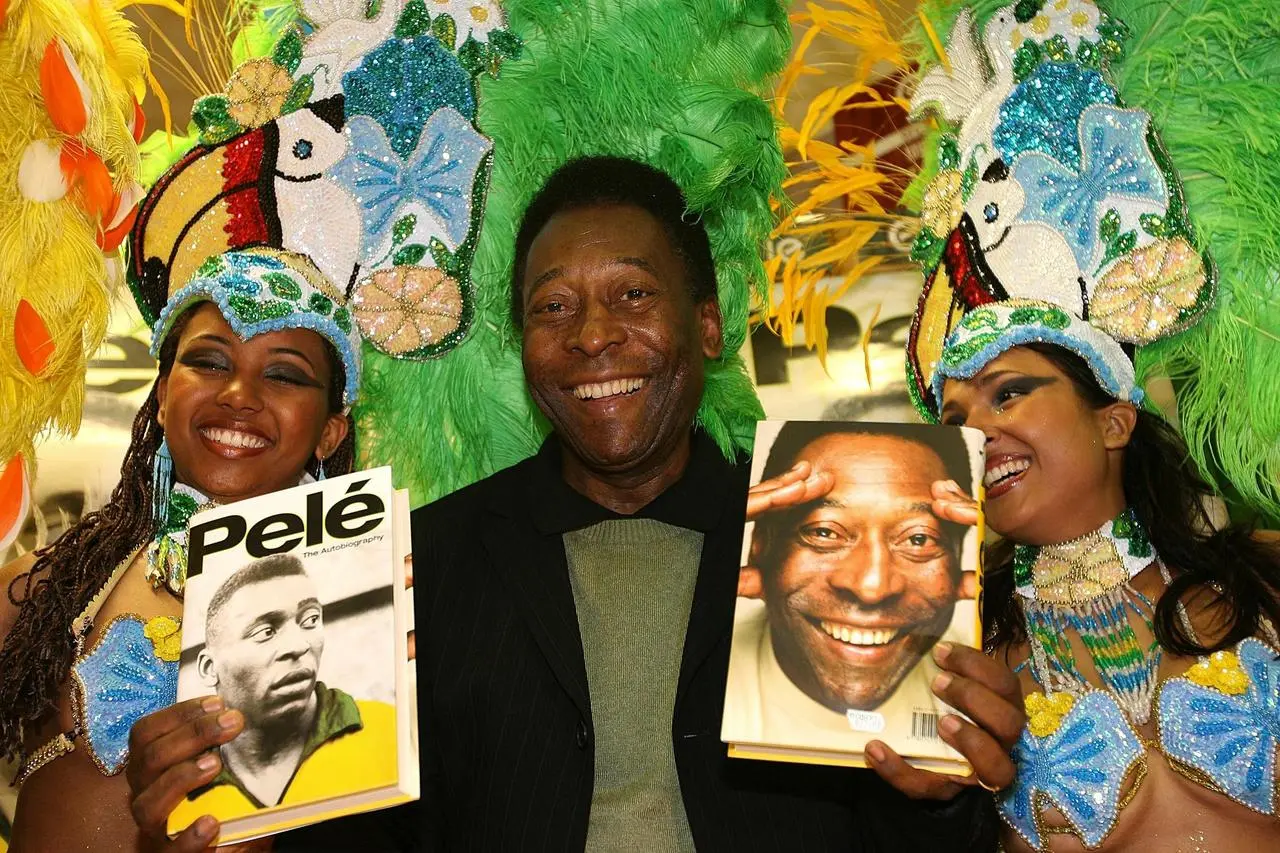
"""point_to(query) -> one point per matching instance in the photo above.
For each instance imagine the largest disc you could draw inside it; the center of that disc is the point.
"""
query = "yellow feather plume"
(828, 181)
(51, 266)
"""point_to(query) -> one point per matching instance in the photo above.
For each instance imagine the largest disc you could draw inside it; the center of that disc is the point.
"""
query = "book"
(848, 581)
(296, 614)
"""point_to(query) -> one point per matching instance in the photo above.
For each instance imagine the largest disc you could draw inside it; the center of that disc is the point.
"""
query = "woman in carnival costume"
(1098, 212)
(259, 350)
(364, 144)
(1062, 230)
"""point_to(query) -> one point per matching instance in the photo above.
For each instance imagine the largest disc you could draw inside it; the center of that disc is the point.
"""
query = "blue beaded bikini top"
(1218, 723)
(132, 669)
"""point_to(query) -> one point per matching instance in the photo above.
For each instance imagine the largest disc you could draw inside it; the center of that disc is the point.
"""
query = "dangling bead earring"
(161, 484)
(320, 469)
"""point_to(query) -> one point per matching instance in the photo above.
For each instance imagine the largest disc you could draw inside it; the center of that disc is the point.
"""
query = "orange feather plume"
(31, 338)
(61, 88)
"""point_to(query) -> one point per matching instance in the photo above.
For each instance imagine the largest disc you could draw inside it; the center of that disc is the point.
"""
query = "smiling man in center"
(574, 611)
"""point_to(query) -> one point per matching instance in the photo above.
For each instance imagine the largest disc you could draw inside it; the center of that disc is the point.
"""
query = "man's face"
(862, 585)
(613, 342)
(265, 648)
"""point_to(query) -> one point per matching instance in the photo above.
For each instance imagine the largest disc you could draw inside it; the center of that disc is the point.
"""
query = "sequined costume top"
(130, 671)
(1218, 724)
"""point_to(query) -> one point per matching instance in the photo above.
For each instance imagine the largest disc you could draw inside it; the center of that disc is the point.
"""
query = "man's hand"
(171, 753)
(988, 693)
(797, 486)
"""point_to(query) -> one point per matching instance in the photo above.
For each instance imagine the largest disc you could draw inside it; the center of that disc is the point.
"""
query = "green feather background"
(677, 84)
(1208, 71)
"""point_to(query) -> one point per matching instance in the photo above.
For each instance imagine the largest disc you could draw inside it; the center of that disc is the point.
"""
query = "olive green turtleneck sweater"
(633, 585)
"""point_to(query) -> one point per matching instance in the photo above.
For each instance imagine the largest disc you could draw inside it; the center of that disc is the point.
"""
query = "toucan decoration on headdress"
(1099, 176)
(338, 185)
(1056, 215)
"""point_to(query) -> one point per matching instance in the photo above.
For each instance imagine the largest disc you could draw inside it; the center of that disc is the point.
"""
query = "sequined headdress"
(1055, 215)
(337, 185)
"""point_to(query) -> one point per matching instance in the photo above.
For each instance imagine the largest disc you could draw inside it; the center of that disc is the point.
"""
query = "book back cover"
(849, 579)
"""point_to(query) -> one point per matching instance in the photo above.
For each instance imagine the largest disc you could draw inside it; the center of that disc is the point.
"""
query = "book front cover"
(289, 617)
(849, 579)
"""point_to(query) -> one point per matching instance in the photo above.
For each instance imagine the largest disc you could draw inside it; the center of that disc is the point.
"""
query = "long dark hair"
(1167, 492)
(37, 653)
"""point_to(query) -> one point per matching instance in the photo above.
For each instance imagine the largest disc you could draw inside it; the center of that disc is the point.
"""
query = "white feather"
(40, 175)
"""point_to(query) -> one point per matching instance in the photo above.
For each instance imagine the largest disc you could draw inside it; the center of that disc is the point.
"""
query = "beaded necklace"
(167, 552)
(1083, 586)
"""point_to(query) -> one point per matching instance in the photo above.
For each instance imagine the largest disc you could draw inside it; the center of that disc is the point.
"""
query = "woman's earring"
(320, 470)
(161, 483)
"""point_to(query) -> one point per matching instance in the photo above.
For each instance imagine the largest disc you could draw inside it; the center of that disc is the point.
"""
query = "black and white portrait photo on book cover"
(291, 641)
(844, 594)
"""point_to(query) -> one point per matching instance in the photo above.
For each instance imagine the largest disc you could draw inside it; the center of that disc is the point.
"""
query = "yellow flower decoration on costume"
(1046, 710)
(165, 634)
(1221, 671)
(257, 92)
(1139, 299)
(942, 205)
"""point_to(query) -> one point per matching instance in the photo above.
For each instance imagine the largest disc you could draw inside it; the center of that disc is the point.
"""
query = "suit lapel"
(533, 567)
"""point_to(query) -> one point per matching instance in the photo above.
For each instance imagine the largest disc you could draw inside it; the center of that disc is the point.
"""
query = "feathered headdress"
(1099, 177)
(71, 79)
(677, 85)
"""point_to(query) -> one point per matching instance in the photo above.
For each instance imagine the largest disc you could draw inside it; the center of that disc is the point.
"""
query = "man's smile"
(608, 389)
(858, 636)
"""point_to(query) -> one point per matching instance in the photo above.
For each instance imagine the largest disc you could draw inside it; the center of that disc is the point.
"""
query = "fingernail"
(949, 725)
(212, 704)
(206, 827)
(940, 651)
(228, 719)
(940, 683)
(953, 486)
(207, 762)
(875, 752)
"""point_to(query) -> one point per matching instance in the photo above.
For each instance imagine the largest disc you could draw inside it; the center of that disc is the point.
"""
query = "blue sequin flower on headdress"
(1043, 111)
(438, 175)
(1115, 163)
(403, 83)
(1229, 737)
(122, 680)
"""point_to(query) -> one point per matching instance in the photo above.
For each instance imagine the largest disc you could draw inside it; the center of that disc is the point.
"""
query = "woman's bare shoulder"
(8, 574)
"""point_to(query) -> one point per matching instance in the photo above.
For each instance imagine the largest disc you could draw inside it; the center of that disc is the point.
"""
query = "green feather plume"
(677, 85)
(1208, 71)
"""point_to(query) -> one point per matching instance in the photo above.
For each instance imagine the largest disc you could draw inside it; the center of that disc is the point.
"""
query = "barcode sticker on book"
(924, 726)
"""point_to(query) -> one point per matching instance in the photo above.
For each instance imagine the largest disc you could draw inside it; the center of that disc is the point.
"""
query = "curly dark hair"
(1167, 493)
(36, 657)
(617, 181)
